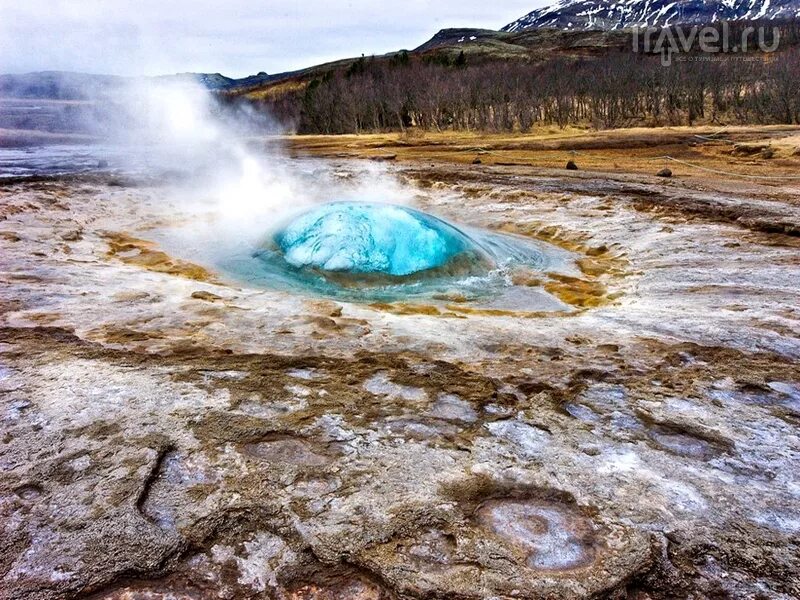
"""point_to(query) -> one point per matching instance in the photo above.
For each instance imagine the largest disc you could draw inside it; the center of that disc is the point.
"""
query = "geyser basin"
(376, 239)
(371, 252)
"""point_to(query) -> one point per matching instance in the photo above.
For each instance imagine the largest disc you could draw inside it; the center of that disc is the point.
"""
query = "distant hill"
(57, 85)
(530, 44)
(57, 106)
(621, 14)
(479, 46)
(64, 85)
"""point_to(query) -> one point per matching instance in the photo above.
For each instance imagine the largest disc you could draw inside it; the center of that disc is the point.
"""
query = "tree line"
(620, 88)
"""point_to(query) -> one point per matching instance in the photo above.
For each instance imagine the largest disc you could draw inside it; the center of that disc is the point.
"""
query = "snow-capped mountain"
(620, 14)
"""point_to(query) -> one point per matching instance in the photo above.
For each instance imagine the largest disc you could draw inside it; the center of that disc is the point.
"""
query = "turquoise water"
(354, 237)
(371, 252)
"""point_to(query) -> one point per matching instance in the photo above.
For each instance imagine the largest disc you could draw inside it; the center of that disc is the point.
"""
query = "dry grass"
(635, 150)
(276, 90)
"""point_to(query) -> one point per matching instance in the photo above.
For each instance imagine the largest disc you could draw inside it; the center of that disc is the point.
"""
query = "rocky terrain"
(170, 432)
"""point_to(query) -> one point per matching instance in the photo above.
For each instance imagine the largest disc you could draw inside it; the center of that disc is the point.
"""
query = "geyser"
(376, 239)
(374, 252)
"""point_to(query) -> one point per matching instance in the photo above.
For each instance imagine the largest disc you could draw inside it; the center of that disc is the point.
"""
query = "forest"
(617, 89)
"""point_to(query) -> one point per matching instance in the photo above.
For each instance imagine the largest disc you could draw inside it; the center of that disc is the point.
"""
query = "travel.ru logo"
(709, 40)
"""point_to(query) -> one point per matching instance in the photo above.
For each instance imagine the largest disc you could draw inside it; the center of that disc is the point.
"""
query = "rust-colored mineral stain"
(145, 254)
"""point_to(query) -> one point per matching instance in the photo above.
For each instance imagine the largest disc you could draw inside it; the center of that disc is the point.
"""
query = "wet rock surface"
(169, 434)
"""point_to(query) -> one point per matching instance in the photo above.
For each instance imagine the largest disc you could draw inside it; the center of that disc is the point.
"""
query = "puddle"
(582, 412)
(452, 408)
(526, 441)
(415, 429)
(683, 443)
(776, 394)
(554, 536)
(305, 374)
(380, 385)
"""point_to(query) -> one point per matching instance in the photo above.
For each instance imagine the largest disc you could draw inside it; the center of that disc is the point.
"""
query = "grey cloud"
(237, 37)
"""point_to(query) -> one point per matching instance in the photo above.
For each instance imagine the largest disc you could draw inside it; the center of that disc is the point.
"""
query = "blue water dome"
(367, 238)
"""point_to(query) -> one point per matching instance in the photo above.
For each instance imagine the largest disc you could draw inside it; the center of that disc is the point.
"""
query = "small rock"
(796, 151)
(591, 450)
(768, 153)
(207, 296)
(325, 307)
(451, 407)
(748, 149)
(102, 164)
(477, 161)
(571, 166)
(598, 250)
(665, 172)
(71, 236)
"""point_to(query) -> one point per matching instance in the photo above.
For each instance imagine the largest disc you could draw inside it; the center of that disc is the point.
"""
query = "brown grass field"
(766, 157)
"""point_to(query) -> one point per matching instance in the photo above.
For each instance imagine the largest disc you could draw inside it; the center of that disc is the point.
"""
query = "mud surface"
(167, 433)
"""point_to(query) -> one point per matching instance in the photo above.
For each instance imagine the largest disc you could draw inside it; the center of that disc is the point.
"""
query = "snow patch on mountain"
(621, 14)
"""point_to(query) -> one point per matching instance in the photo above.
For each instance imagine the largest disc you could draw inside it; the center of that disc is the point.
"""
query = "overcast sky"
(233, 37)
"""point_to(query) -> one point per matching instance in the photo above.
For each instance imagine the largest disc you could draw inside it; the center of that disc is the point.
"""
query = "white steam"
(226, 167)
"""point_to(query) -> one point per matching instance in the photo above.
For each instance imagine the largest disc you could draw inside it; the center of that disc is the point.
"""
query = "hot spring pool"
(371, 252)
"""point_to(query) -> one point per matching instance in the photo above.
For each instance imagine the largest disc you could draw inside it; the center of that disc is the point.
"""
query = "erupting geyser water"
(367, 251)
(366, 238)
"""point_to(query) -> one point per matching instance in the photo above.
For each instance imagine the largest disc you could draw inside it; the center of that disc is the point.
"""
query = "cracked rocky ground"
(170, 433)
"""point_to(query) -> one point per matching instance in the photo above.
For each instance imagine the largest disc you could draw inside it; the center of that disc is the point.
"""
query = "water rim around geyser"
(473, 263)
